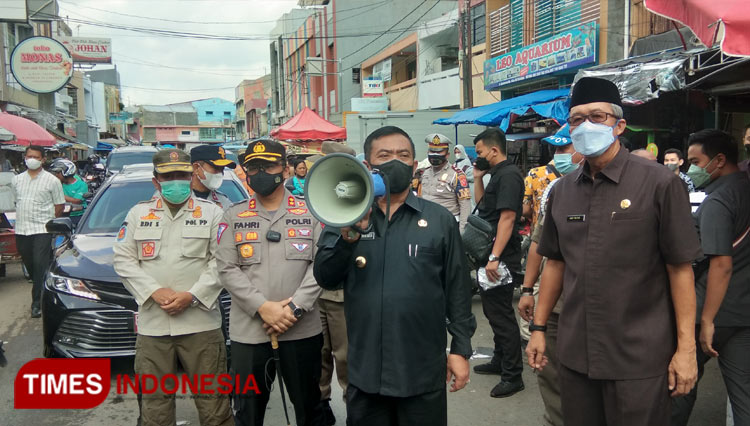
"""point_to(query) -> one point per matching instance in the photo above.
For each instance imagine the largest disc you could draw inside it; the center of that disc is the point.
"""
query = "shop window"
(516, 24)
(554, 16)
(185, 133)
(210, 113)
(478, 24)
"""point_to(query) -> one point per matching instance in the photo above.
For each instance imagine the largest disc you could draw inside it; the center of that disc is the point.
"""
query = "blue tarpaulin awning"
(103, 146)
(547, 103)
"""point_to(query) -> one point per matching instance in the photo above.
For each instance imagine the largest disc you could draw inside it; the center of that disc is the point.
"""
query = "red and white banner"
(89, 50)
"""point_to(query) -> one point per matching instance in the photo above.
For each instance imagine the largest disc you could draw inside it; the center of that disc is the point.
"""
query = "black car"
(86, 311)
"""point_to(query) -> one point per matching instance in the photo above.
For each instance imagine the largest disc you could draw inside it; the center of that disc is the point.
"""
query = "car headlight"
(71, 286)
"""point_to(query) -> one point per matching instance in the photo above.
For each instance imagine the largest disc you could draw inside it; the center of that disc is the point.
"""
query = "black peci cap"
(592, 89)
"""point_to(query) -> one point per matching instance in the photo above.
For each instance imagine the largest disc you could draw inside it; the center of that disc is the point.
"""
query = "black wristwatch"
(527, 290)
(296, 311)
(533, 327)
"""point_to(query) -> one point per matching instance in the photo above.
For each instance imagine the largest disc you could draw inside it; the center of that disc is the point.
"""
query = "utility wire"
(214, 22)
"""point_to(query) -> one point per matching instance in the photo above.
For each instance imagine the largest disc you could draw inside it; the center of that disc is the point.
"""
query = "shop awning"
(547, 103)
(703, 17)
(643, 78)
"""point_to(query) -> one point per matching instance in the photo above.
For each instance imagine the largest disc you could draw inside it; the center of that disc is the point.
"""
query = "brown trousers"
(335, 346)
(199, 353)
(548, 378)
(588, 402)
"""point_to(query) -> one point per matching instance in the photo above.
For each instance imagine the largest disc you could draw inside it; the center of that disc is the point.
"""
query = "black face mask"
(482, 164)
(399, 175)
(436, 160)
(265, 183)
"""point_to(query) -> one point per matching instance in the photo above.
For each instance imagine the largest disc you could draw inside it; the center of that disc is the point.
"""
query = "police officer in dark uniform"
(401, 280)
(265, 256)
(209, 162)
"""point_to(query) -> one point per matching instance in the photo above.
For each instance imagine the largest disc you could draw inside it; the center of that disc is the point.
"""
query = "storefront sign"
(382, 70)
(566, 50)
(370, 104)
(89, 50)
(41, 64)
(372, 88)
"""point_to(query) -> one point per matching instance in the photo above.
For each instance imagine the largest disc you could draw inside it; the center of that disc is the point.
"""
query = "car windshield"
(108, 212)
(117, 160)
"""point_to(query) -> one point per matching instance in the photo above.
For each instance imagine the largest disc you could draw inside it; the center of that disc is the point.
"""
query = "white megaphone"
(339, 190)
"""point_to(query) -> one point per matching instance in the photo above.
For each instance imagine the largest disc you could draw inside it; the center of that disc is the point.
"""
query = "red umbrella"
(702, 17)
(27, 132)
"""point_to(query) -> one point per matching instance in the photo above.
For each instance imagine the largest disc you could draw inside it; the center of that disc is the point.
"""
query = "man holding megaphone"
(402, 267)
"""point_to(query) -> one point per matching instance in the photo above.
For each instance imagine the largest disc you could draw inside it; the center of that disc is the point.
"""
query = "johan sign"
(41, 64)
(89, 50)
(565, 50)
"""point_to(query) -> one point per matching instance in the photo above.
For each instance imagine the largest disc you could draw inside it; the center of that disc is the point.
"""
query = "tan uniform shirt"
(448, 187)
(255, 270)
(155, 249)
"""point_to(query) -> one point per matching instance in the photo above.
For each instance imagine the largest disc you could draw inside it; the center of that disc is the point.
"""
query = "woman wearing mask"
(463, 162)
(296, 184)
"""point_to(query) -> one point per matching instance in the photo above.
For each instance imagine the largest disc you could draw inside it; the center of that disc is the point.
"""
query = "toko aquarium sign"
(563, 51)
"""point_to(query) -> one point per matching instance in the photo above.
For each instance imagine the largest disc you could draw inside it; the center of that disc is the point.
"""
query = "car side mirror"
(60, 226)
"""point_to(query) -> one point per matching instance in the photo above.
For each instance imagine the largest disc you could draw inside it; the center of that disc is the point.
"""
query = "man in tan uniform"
(265, 261)
(443, 183)
(165, 256)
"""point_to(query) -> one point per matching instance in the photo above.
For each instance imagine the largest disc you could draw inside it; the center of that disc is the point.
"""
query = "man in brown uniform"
(619, 240)
(264, 259)
(443, 183)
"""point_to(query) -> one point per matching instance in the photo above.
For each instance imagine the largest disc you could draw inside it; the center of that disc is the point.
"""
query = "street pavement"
(471, 406)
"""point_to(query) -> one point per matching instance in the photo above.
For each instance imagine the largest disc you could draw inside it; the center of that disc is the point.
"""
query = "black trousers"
(367, 409)
(300, 369)
(36, 254)
(733, 346)
(497, 304)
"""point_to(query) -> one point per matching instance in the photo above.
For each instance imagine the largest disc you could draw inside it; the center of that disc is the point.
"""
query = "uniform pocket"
(195, 240)
(298, 248)
(148, 242)
(248, 253)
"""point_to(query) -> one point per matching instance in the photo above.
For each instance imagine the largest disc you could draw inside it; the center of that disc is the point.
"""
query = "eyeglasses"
(271, 168)
(594, 117)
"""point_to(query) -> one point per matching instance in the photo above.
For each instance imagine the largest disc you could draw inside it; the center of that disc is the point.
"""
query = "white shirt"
(35, 201)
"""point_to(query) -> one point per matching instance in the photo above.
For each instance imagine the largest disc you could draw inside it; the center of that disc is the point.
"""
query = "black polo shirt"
(408, 280)
(504, 191)
(724, 222)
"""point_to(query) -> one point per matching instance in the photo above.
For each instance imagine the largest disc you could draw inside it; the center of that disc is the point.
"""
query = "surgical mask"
(33, 163)
(212, 181)
(265, 183)
(482, 164)
(564, 163)
(459, 156)
(398, 173)
(699, 175)
(672, 166)
(592, 139)
(436, 160)
(175, 191)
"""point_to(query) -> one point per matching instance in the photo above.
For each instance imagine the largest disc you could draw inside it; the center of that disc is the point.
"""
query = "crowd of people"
(625, 295)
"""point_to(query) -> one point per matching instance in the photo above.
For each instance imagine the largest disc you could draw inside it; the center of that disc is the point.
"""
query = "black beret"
(592, 89)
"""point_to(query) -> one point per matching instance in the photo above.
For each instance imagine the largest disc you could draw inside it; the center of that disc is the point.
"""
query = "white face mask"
(592, 139)
(212, 180)
(33, 163)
